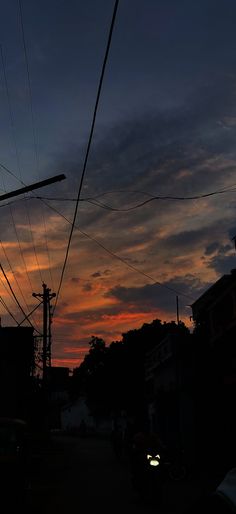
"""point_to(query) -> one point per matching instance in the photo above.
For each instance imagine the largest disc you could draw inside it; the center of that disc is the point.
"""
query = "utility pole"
(177, 309)
(234, 240)
(46, 296)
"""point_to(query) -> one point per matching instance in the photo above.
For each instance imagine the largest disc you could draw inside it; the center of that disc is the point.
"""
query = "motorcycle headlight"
(154, 461)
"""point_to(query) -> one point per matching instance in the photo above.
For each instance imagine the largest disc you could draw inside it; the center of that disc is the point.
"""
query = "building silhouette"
(169, 391)
(16, 369)
(214, 314)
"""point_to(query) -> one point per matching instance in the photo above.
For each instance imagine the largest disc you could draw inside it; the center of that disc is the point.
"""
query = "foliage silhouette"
(113, 377)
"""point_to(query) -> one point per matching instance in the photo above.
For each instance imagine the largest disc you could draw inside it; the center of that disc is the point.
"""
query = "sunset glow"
(164, 133)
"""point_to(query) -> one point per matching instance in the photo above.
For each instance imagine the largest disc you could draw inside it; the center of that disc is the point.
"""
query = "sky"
(165, 127)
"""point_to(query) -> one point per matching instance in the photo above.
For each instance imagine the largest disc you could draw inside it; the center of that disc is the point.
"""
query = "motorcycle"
(147, 474)
(152, 468)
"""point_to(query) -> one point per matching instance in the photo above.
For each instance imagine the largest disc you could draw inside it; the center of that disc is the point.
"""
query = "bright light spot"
(154, 462)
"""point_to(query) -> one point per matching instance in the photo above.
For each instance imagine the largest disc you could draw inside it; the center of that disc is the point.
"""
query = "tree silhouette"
(113, 377)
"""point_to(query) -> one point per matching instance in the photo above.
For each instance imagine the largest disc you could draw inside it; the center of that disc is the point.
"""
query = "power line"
(4, 303)
(18, 164)
(113, 254)
(115, 191)
(34, 247)
(159, 197)
(22, 256)
(15, 277)
(30, 314)
(29, 83)
(28, 188)
(8, 310)
(17, 158)
(13, 294)
(47, 249)
(88, 146)
(134, 268)
(110, 252)
(145, 193)
(16, 299)
(11, 173)
(20, 247)
(31, 187)
(12, 122)
(145, 202)
(13, 193)
(34, 138)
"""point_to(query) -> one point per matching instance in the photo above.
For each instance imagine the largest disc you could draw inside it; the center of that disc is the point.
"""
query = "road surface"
(83, 475)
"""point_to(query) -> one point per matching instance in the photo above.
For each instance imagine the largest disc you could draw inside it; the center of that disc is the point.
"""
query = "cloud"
(181, 151)
(223, 264)
(163, 143)
(189, 239)
(212, 248)
(87, 287)
(99, 274)
(75, 280)
(153, 296)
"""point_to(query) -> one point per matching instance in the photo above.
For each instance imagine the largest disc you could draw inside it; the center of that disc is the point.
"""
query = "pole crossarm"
(36, 185)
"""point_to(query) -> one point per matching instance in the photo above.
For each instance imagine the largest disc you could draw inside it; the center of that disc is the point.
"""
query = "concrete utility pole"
(46, 296)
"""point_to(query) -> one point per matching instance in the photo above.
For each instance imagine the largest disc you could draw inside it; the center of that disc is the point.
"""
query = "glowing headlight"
(154, 461)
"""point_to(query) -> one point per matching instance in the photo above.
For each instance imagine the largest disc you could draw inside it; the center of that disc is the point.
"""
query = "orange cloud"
(69, 363)
(75, 349)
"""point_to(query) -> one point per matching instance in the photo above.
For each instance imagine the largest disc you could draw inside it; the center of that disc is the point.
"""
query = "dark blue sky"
(162, 54)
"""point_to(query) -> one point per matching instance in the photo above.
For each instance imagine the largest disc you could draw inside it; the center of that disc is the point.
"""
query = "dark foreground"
(71, 473)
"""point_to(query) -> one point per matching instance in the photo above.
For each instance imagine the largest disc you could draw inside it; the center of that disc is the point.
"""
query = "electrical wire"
(159, 197)
(16, 299)
(13, 131)
(9, 263)
(29, 81)
(91, 199)
(6, 289)
(13, 273)
(30, 314)
(8, 310)
(180, 198)
(12, 123)
(34, 136)
(110, 252)
(113, 254)
(88, 148)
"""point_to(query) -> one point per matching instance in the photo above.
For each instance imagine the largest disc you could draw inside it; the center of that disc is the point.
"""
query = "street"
(83, 474)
